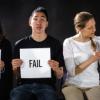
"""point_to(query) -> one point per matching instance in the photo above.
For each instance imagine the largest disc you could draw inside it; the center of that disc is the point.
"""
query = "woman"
(5, 67)
(82, 54)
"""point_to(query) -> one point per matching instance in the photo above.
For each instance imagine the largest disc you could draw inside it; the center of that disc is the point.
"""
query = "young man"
(43, 88)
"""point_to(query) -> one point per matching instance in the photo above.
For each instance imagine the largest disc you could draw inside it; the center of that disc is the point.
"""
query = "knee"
(72, 93)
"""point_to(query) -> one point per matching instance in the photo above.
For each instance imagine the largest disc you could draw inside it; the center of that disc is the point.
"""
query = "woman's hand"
(97, 55)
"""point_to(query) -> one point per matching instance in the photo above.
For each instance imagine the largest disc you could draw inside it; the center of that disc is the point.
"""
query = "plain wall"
(14, 15)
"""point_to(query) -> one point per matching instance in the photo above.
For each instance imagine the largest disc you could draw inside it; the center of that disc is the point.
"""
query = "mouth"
(93, 34)
(38, 28)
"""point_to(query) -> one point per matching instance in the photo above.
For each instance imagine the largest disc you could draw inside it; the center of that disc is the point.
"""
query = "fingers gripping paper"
(35, 63)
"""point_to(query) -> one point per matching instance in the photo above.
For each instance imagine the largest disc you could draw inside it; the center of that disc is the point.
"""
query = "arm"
(55, 67)
(6, 57)
(16, 63)
(68, 58)
(80, 68)
(2, 64)
(58, 62)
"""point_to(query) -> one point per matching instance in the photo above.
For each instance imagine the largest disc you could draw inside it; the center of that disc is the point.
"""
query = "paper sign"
(35, 63)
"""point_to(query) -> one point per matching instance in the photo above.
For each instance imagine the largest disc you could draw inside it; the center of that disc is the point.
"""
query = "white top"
(75, 53)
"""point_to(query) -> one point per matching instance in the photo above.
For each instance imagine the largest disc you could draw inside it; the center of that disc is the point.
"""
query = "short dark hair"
(41, 9)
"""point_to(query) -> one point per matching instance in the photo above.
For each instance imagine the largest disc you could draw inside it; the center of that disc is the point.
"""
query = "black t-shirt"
(6, 75)
(56, 54)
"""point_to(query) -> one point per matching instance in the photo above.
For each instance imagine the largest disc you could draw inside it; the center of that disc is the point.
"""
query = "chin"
(38, 32)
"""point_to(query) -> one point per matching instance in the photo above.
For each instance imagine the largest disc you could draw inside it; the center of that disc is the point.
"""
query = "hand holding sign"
(35, 63)
(53, 64)
(16, 63)
(2, 64)
(55, 67)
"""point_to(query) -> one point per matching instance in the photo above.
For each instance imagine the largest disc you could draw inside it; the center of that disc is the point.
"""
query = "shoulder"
(67, 41)
(22, 40)
(53, 40)
(96, 38)
(6, 41)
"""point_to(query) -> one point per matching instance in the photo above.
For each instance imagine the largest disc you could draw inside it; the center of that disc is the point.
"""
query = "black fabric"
(56, 54)
(99, 70)
(6, 75)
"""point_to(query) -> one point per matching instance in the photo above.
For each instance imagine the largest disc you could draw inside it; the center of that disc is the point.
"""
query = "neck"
(39, 37)
(81, 38)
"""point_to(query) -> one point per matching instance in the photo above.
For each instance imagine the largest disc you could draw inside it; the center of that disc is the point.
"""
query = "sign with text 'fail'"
(35, 63)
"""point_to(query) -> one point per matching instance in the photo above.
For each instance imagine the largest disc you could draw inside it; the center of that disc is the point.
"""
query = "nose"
(38, 22)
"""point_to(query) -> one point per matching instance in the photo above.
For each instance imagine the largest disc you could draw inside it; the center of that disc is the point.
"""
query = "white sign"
(35, 63)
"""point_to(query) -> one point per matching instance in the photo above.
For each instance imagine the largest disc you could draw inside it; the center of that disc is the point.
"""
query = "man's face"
(38, 22)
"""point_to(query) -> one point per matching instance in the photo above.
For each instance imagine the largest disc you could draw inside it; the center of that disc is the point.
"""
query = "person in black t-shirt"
(5, 66)
(42, 88)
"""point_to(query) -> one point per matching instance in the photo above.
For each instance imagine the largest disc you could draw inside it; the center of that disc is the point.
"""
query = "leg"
(94, 93)
(72, 93)
(21, 93)
(45, 92)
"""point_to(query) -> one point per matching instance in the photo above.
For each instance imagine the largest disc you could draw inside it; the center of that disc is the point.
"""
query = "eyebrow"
(40, 16)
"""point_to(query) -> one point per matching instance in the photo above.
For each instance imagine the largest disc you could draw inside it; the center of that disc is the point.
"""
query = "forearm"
(80, 68)
(59, 72)
(2, 65)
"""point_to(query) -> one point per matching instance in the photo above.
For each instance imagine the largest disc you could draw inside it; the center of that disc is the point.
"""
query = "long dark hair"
(80, 21)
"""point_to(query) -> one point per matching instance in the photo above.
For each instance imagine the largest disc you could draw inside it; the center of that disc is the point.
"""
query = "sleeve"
(16, 53)
(61, 58)
(98, 44)
(69, 57)
(7, 57)
(59, 54)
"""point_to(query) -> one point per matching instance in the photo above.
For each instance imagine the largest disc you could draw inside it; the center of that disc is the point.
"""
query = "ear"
(30, 20)
(78, 29)
(47, 24)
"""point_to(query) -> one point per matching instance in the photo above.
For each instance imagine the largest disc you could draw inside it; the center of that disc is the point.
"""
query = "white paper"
(35, 63)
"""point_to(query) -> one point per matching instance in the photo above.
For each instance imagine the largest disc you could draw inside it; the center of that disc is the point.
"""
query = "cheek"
(45, 26)
(33, 25)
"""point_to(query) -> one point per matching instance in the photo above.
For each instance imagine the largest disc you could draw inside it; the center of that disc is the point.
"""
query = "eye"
(43, 19)
(35, 19)
(89, 28)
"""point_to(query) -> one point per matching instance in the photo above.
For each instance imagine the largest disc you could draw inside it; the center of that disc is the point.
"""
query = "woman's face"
(89, 29)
